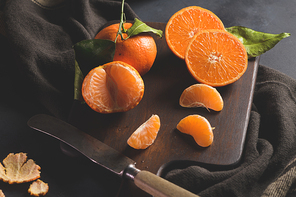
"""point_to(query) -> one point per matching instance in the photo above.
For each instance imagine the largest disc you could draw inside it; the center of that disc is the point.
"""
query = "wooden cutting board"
(164, 84)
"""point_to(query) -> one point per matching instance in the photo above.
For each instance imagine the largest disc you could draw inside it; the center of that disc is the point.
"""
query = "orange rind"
(38, 188)
(17, 169)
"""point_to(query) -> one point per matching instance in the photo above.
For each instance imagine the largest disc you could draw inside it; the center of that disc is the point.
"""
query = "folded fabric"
(42, 34)
(268, 164)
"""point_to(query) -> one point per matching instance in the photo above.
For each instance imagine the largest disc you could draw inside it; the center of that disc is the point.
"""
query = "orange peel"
(38, 188)
(17, 169)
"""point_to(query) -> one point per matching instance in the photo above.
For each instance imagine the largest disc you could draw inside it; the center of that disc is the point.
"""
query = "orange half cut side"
(187, 22)
(216, 58)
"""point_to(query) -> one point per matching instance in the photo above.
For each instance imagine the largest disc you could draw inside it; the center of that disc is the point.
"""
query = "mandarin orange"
(138, 51)
(113, 87)
(187, 22)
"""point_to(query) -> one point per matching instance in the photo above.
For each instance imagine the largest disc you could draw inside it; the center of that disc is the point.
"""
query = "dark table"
(78, 177)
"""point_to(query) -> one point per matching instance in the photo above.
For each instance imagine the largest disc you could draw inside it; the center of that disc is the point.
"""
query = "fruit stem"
(122, 21)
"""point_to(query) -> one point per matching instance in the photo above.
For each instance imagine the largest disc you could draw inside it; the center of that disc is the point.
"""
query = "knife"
(106, 156)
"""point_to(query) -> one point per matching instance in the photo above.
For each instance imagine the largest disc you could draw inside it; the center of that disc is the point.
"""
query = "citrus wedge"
(199, 128)
(201, 95)
(145, 135)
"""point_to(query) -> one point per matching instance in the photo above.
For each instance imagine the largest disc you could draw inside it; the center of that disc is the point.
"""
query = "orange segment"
(187, 22)
(216, 58)
(113, 87)
(145, 135)
(201, 95)
(199, 128)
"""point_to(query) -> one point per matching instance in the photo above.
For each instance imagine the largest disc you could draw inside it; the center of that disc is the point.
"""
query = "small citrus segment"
(216, 58)
(187, 22)
(145, 135)
(138, 51)
(199, 128)
(201, 95)
(113, 87)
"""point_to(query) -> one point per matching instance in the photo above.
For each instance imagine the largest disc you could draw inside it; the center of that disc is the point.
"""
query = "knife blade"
(106, 156)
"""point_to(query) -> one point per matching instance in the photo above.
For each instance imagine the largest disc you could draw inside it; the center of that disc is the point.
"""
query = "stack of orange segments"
(212, 55)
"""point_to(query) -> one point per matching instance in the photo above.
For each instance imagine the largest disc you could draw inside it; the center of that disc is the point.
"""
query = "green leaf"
(88, 55)
(140, 27)
(92, 53)
(255, 42)
(78, 79)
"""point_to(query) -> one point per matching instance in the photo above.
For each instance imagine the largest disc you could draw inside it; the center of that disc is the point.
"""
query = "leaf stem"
(122, 21)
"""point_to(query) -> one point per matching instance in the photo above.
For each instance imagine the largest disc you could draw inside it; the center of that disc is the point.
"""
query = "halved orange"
(201, 95)
(145, 135)
(199, 128)
(113, 87)
(187, 22)
(216, 58)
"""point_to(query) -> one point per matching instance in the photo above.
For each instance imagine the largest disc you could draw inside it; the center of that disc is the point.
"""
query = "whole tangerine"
(138, 51)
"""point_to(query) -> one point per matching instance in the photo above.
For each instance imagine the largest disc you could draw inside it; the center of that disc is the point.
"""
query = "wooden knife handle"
(159, 187)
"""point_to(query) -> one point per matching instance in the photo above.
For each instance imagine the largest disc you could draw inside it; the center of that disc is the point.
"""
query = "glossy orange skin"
(138, 51)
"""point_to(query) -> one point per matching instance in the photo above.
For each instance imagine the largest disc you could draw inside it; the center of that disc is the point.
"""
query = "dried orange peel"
(1, 193)
(17, 169)
(38, 188)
